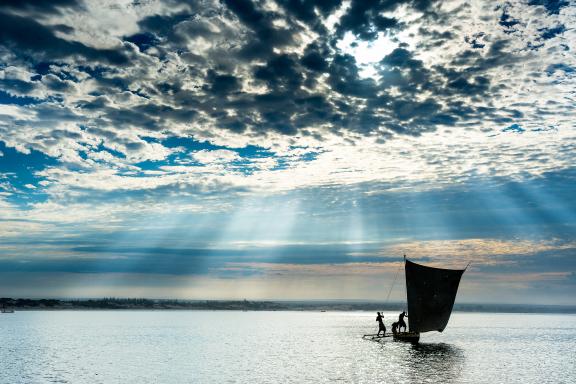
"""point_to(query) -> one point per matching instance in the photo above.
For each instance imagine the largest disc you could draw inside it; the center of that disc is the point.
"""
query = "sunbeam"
(244, 148)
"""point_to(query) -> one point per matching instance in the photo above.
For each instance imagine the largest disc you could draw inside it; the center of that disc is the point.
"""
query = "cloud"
(284, 90)
(40, 6)
(478, 252)
(217, 156)
(121, 112)
(30, 37)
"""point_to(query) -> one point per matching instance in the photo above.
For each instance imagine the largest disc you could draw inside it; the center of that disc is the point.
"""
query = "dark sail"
(431, 294)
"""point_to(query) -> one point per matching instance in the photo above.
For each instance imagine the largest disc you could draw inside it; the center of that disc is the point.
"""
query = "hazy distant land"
(334, 305)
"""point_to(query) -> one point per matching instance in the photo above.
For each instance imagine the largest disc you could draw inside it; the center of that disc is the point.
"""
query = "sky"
(287, 149)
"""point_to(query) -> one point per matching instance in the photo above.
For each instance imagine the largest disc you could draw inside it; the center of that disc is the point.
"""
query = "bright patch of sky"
(367, 53)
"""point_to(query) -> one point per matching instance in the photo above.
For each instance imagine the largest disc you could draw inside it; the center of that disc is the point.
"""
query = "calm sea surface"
(279, 347)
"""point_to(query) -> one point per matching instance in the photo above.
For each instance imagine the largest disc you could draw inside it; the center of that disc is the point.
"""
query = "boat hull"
(409, 337)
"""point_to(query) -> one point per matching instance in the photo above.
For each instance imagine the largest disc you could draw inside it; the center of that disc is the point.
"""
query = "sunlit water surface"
(279, 347)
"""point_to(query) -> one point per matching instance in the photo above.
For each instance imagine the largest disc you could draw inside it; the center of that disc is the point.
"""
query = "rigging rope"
(393, 282)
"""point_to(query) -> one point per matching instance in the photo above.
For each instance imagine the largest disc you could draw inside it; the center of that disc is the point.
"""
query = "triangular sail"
(431, 293)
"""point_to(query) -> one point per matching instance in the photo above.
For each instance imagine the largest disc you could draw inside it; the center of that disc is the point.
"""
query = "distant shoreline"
(246, 305)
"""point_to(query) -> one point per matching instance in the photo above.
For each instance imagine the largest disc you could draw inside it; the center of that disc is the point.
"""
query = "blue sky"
(286, 149)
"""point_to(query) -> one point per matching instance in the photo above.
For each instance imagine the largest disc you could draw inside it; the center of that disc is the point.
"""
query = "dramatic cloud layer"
(189, 126)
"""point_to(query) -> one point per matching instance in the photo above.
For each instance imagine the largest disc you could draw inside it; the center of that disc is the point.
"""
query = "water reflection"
(441, 363)
(274, 347)
(421, 363)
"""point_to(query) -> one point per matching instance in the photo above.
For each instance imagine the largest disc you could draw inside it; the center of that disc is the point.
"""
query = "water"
(279, 347)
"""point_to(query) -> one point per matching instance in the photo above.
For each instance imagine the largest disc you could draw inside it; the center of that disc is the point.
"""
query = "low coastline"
(20, 304)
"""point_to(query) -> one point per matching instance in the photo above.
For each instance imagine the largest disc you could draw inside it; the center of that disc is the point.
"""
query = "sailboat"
(430, 293)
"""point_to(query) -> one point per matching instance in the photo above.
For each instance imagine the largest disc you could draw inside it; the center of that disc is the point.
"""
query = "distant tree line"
(138, 303)
(112, 303)
(22, 303)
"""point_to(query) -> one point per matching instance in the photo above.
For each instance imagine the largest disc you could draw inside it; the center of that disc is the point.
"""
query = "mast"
(406, 289)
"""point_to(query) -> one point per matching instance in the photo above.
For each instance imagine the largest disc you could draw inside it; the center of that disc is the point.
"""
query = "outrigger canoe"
(430, 293)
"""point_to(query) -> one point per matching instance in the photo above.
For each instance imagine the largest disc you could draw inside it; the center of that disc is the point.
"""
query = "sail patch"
(431, 293)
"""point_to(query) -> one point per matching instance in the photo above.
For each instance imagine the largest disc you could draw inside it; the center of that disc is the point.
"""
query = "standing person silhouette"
(401, 322)
(381, 326)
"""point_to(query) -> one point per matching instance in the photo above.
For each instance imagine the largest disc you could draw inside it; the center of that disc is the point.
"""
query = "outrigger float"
(430, 293)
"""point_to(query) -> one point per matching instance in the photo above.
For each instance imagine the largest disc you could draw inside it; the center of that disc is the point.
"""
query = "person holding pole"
(381, 326)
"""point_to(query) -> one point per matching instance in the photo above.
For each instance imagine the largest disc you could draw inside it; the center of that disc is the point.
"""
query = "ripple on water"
(289, 347)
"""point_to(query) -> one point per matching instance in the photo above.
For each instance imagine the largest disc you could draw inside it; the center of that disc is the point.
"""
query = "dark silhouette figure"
(381, 326)
(395, 328)
(401, 322)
